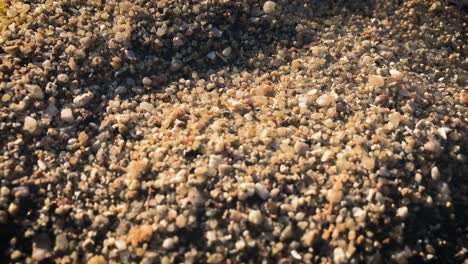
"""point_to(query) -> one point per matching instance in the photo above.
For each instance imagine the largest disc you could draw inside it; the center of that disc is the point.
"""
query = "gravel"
(242, 131)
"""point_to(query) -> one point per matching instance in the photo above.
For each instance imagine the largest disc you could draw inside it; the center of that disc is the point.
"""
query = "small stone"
(309, 238)
(169, 243)
(381, 99)
(63, 78)
(211, 55)
(147, 82)
(97, 260)
(334, 196)
(130, 54)
(442, 132)
(225, 169)
(435, 173)
(325, 100)
(140, 234)
(376, 80)
(67, 115)
(296, 255)
(30, 124)
(301, 148)
(181, 221)
(339, 256)
(464, 98)
(327, 156)
(16, 255)
(433, 147)
(177, 41)
(261, 191)
(21, 192)
(136, 168)
(402, 212)
(396, 75)
(176, 64)
(287, 233)
(215, 161)
(35, 92)
(255, 217)
(269, 7)
(83, 99)
(226, 52)
(13, 209)
(120, 244)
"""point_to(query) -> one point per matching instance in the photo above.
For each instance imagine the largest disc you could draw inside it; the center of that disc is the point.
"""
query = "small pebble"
(30, 124)
(376, 80)
(255, 217)
(35, 92)
(269, 7)
(67, 115)
(83, 99)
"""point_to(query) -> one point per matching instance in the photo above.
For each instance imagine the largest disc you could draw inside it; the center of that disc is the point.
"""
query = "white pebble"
(396, 74)
(269, 7)
(255, 217)
(402, 212)
(30, 124)
(83, 99)
(325, 100)
(63, 78)
(296, 255)
(67, 115)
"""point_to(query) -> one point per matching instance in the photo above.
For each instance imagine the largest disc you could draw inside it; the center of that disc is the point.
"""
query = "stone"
(255, 217)
(30, 124)
(376, 80)
(269, 7)
(325, 100)
(35, 92)
(402, 212)
(301, 148)
(83, 99)
(67, 115)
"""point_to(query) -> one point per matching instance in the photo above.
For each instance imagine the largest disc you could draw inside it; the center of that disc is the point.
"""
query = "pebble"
(269, 7)
(261, 191)
(325, 100)
(30, 124)
(255, 217)
(301, 148)
(334, 196)
(83, 99)
(396, 74)
(435, 173)
(147, 82)
(376, 80)
(227, 52)
(339, 256)
(177, 41)
(67, 115)
(402, 212)
(98, 259)
(35, 92)
(211, 55)
(176, 64)
(63, 78)
(464, 98)
(433, 147)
